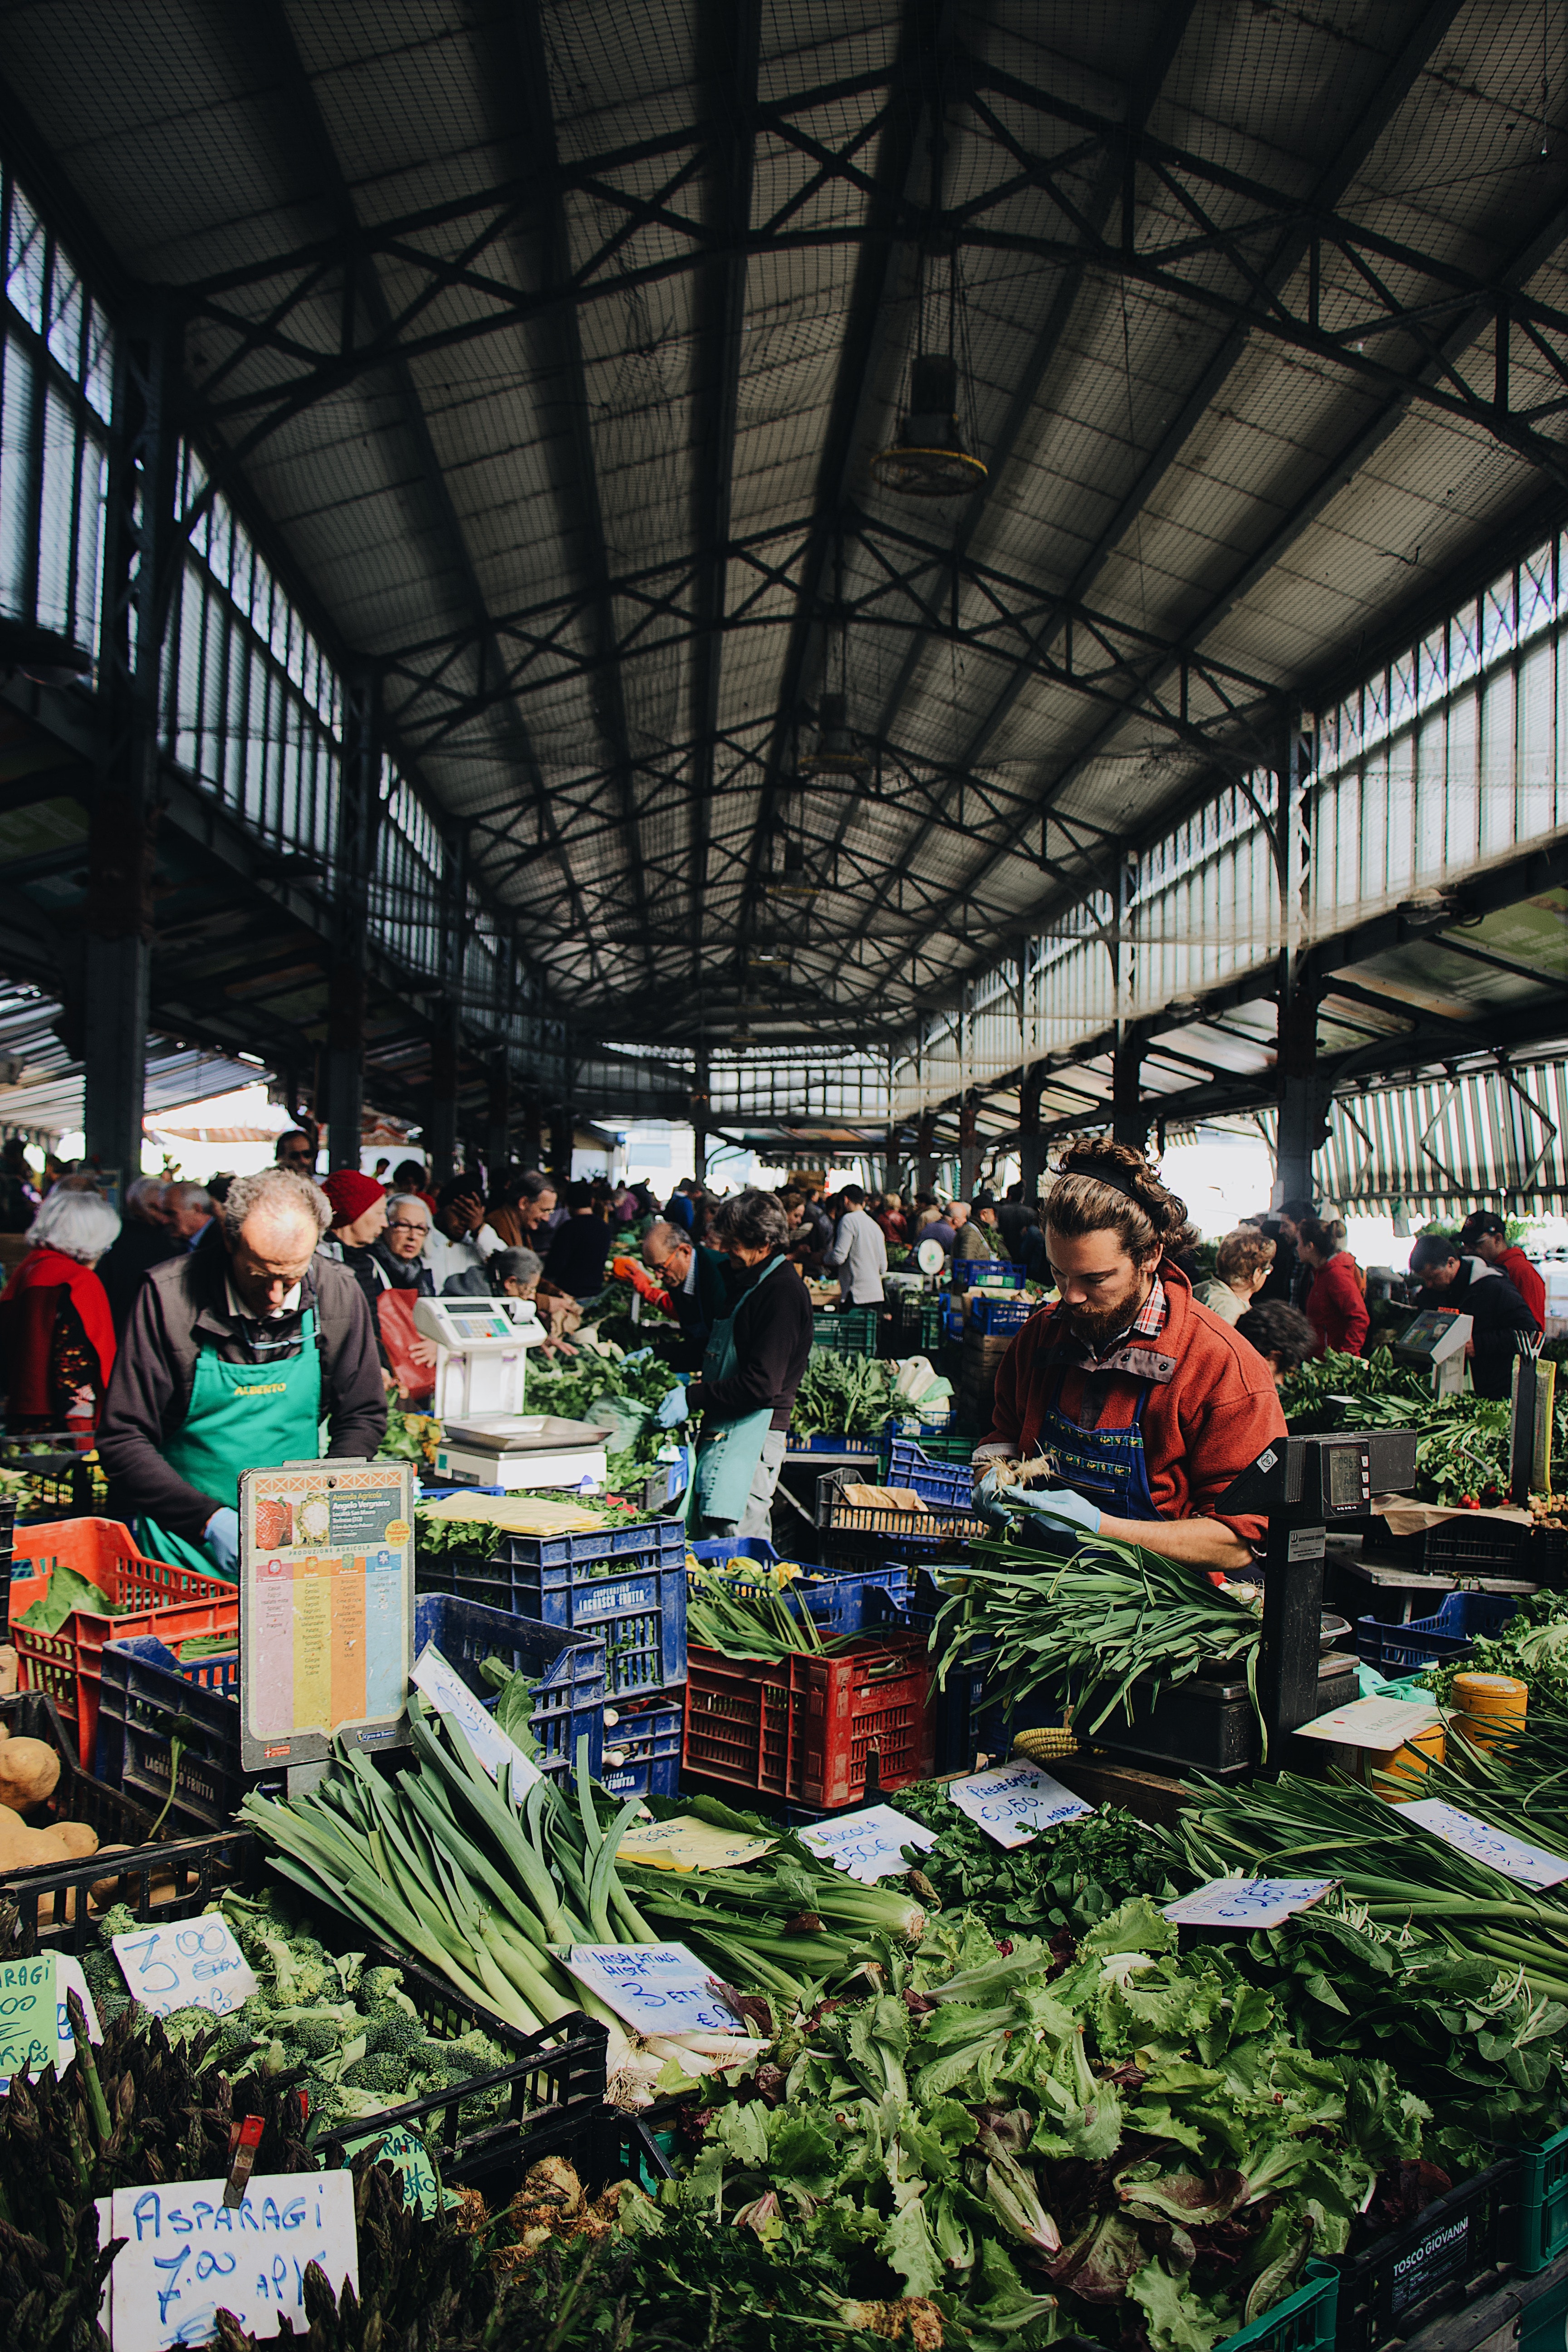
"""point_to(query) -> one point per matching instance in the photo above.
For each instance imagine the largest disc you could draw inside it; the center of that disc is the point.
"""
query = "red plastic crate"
(151, 1595)
(802, 1729)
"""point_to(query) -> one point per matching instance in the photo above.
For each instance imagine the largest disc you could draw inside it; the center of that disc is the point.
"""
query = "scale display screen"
(1347, 1480)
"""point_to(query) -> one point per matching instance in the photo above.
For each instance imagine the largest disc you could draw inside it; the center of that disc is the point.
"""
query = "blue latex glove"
(1059, 1505)
(673, 1409)
(220, 1537)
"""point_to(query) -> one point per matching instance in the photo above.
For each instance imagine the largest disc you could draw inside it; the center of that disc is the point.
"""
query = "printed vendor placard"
(326, 1608)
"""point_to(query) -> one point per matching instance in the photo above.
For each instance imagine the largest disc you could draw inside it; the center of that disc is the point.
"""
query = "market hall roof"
(551, 348)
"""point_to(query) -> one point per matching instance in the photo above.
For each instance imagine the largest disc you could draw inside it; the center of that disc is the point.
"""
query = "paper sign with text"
(410, 2160)
(188, 2255)
(654, 1988)
(448, 1694)
(869, 1844)
(1014, 1803)
(687, 1844)
(186, 1964)
(1247, 1902)
(1376, 1723)
(1531, 1865)
(35, 2026)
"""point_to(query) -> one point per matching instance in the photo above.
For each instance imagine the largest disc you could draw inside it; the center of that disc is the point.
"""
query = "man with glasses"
(294, 1149)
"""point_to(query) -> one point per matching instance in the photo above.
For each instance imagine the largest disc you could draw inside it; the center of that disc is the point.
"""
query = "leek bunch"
(443, 1864)
(785, 1929)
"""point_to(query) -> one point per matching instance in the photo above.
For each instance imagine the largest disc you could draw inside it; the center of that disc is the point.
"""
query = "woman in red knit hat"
(359, 1218)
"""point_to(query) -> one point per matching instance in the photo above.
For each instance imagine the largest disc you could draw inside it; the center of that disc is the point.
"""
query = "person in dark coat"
(577, 1253)
(145, 1239)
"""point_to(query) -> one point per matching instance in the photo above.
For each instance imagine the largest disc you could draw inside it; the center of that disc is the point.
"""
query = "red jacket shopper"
(1336, 1308)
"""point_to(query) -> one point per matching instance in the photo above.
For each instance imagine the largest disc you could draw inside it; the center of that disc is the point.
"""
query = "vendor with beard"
(1149, 1405)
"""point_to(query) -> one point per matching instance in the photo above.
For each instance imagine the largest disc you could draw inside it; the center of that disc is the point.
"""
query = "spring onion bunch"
(1296, 1828)
(757, 1623)
(442, 1863)
(1087, 1628)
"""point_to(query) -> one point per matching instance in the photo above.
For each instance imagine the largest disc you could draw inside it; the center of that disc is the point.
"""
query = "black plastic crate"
(1209, 1726)
(1459, 2248)
(172, 1880)
(554, 2084)
(78, 1797)
(61, 1476)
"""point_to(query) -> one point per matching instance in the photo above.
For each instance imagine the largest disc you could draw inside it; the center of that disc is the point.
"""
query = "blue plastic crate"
(988, 1273)
(1000, 1315)
(733, 1548)
(642, 1751)
(635, 1605)
(949, 1483)
(830, 1443)
(144, 1687)
(837, 1602)
(566, 1670)
(638, 1539)
(1463, 1618)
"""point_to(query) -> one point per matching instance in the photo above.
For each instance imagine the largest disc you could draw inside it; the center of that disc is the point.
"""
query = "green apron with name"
(727, 1459)
(241, 1417)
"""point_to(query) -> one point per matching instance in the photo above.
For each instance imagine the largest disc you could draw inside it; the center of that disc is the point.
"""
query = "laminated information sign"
(326, 1608)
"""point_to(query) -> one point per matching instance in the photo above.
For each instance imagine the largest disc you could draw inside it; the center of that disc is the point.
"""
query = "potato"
(8, 1669)
(29, 1771)
(77, 1839)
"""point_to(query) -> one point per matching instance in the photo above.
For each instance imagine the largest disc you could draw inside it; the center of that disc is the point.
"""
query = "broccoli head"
(382, 2071)
(118, 1921)
(471, 2054)
(380, 1984)
(398, 2030)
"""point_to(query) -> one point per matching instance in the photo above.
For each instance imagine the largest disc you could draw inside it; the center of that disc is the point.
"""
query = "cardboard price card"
(34, 2024)
(1531, 1865)
(1247, 1902)
(654, 1988)
(1014, 1803)
(326, 1608)
(449, 1695)
(687, 1844)
(186, 1964)
(410, 2160)
(1376, 1723)
(188, 2255)
(869, 1844)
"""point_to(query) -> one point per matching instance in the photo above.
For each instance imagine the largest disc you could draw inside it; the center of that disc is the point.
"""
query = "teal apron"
(727, 1459)
(241, 1417)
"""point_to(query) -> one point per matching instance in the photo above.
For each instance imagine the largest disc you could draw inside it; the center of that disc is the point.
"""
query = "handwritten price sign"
(187, 2256)
(1531, 1865)
(869, 1844)
(188, 1964)
(654, 1988)
(35, 2026)
(1247, 1902)
(449, 1695)
(1014, 1803)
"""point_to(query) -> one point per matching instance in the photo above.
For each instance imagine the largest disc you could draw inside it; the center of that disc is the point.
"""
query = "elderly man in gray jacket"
(860, 1255)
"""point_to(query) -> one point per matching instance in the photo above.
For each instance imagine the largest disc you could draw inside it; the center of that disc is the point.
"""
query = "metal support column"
(1031, 1149)
(359, 807)
(446, 1045)
(968, 1145)
(498, 1129)
(700, 1097)
(139, 560)
(1304, 1094)
(925, 1152)
(1129, 1115)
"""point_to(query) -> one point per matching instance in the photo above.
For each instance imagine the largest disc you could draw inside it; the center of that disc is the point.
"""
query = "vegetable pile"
(1131, 2144)
(1084, 1629)
(763, 1619)
(1064, 1883)
(849, 1396)
(1461, 1452)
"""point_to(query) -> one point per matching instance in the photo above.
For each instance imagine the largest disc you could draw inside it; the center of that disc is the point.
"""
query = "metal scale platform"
(487, 1438)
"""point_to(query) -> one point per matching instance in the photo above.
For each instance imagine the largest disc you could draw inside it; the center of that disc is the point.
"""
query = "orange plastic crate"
(802, 1729)
(150, 1596)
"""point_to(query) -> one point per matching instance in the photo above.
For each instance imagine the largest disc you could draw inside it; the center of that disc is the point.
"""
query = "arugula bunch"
(1065, 1881)
(843, 1395)
(1131, 2146)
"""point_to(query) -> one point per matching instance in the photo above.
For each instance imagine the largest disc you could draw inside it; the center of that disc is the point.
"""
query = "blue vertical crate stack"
(624, 1586)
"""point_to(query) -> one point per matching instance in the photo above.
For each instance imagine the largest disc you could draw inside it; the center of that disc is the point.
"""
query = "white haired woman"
(56, 1334)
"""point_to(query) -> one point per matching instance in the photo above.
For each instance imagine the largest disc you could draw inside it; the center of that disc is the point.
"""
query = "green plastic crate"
(1542, 2205)
(852, 1333)
(1304, 2322)
(1543, 2323)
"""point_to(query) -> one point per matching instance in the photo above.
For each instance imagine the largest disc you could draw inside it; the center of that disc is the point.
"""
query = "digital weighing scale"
(487, 1438)
(1436, 1342)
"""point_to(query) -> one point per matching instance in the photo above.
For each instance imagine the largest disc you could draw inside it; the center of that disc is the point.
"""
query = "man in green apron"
(238, 1358)
(751, 1370)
